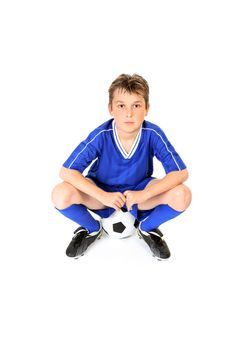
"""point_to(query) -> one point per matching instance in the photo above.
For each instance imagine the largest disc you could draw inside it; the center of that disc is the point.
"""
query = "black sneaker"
(81, 241)
(156, 243)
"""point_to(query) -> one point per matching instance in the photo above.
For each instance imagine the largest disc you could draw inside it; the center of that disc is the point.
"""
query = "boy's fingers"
(123, 197)
(120, 202)
(129, 205)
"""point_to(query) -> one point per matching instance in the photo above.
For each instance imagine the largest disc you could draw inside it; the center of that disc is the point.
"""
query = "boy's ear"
(110, 108)
(147, 109)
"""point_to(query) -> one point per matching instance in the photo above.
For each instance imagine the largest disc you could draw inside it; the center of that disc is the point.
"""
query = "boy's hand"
(134, 197)
(114, 200)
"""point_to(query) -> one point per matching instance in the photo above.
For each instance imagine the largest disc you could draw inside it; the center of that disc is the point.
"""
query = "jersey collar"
(119, 144)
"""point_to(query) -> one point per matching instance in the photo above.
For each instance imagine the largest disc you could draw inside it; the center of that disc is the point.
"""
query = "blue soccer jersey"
(113, 166)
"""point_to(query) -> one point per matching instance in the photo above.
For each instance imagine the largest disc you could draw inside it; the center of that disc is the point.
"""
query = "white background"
(58, 59)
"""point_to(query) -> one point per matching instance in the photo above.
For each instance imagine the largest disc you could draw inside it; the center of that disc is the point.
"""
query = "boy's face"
(128, 111)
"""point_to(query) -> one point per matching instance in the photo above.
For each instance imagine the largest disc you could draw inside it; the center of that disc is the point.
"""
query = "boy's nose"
(129, 113)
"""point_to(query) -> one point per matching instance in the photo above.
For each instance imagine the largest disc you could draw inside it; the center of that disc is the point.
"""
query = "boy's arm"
(168, 182)
(76, 179)
(113, 199)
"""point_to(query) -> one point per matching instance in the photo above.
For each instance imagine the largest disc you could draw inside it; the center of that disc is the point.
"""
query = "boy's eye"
(137, 105)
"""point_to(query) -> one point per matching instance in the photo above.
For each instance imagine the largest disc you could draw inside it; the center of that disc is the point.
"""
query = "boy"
(122, 149)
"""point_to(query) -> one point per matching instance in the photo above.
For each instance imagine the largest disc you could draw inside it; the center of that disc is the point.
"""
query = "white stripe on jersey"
(165, 145)
(119, 144)
(120, 147)
(136, 143)
(87, 145)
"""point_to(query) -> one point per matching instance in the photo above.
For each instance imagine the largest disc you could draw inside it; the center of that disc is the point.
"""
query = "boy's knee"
(182, 196)
(62, 195)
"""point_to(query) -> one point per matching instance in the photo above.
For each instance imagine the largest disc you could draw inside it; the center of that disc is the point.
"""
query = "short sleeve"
(84, 153)
(166, 153)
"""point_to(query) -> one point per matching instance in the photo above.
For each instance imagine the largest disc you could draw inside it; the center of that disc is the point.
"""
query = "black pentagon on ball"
(118, 227)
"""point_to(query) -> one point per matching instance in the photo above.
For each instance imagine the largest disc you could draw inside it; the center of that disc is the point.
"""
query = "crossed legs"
(64, 195)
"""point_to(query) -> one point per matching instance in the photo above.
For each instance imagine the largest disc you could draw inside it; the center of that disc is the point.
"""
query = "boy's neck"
(126, 137)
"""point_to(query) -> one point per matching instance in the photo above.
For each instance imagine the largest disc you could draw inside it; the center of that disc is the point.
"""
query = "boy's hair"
(132, 84)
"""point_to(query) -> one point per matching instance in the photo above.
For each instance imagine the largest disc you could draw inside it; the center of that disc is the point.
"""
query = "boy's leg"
(73, 204)
(64, 195)
(178, 198)
(166, 206)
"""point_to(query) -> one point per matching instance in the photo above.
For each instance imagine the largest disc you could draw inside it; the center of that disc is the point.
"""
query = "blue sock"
(80, 214)
(159, 215)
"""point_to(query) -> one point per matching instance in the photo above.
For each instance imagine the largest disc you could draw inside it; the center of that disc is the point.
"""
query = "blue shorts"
(138, 214)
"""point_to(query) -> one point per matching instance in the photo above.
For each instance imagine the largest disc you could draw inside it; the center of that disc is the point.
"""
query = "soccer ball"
(120, 224)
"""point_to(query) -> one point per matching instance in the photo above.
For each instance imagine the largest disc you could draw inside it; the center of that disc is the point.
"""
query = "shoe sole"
(160, 259)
